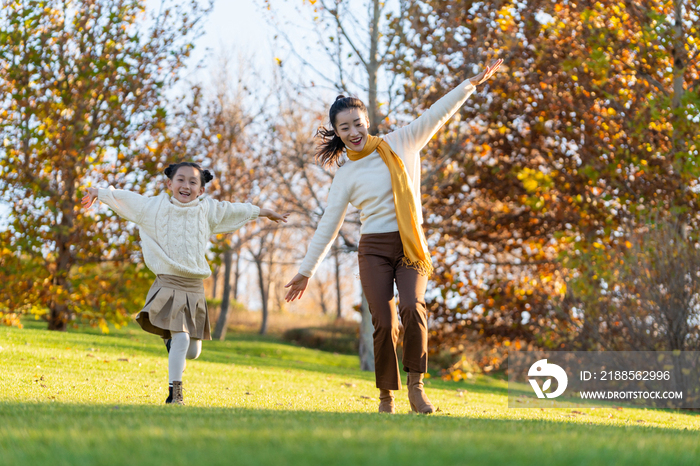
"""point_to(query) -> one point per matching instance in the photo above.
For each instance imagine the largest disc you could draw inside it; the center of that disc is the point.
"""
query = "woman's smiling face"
(352, 126)
(186, 185)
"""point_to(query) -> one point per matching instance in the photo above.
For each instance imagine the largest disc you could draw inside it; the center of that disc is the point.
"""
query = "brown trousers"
(379, 256)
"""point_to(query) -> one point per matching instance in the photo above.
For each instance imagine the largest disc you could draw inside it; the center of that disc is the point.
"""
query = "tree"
(227, 147)
(360, 46)
(261, 249)
(304, 185)
(647, 297)
(83, 86)
(592, 122)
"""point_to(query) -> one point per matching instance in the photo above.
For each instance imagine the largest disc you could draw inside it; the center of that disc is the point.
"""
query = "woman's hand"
(487, 73)
(274, 216)
(298, 285)
(90, 198)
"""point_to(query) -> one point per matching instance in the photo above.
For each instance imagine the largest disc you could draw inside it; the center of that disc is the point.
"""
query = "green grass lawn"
(81, 398)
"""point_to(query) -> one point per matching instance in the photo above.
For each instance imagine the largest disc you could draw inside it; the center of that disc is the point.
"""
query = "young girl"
(174, 234)
(382, 179)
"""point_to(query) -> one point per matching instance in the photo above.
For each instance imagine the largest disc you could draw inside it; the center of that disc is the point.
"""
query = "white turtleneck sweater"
(366, 183)
(174, 235)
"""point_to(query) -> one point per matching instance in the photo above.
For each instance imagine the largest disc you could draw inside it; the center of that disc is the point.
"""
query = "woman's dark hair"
(205, 176)
(331, 146)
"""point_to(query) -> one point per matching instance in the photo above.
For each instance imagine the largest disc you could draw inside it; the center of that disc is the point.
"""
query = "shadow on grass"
(55, 433)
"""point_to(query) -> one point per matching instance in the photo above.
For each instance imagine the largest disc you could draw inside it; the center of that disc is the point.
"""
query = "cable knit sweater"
(366, 183)
(174, 235)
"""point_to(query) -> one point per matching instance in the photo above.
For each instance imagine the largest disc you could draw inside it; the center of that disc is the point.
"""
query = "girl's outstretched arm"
(226, 217)
(89, 198)
(274, 216)
(126, 204)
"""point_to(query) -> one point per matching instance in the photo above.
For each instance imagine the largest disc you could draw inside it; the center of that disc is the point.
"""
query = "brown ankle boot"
(386, 401)
(416, 396)
(177, 393)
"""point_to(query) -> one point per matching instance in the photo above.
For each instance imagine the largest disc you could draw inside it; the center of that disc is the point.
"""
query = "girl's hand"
(298, 285)
(274, 216)
(89, 198)
(487, 73)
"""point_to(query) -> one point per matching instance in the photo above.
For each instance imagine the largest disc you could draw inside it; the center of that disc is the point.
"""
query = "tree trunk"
(366, 338)
(679, 60)
(236, 275)
(220, 330)
(338, 307)
(58, 316)
(372, 70)
(366, 327)
(59, 313)
(679, 55)
(263, 294)
(215, 277)
(322, 296)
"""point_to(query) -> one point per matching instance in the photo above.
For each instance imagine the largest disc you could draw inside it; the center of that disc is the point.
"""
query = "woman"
(382, 180)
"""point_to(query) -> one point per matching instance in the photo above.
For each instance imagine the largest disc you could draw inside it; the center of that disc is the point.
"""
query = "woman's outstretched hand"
(487, 73)
(90, 198)
(298, 285)
(274, 216)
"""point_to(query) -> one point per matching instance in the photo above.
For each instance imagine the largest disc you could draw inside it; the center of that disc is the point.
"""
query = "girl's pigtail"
(207, 176)
(171, 170)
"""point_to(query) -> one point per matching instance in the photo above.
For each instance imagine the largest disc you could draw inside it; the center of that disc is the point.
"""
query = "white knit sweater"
(366, 183)
(174, 235)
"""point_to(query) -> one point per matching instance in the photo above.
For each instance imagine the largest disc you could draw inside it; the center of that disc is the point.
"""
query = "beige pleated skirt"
(176, 304)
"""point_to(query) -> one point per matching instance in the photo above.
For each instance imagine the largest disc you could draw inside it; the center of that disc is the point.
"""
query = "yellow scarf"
(415, 247)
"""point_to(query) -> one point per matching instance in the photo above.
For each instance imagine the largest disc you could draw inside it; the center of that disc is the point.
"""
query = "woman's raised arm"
(413, 137)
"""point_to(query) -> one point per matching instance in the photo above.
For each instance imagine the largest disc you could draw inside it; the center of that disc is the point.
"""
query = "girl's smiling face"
(186, 184)
(351, 126)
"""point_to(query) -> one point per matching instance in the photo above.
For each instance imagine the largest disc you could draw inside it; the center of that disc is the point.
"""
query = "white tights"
(181, 348)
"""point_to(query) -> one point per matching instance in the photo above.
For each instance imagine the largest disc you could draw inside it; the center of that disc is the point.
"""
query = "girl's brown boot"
(416, 396)
(386, 401)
